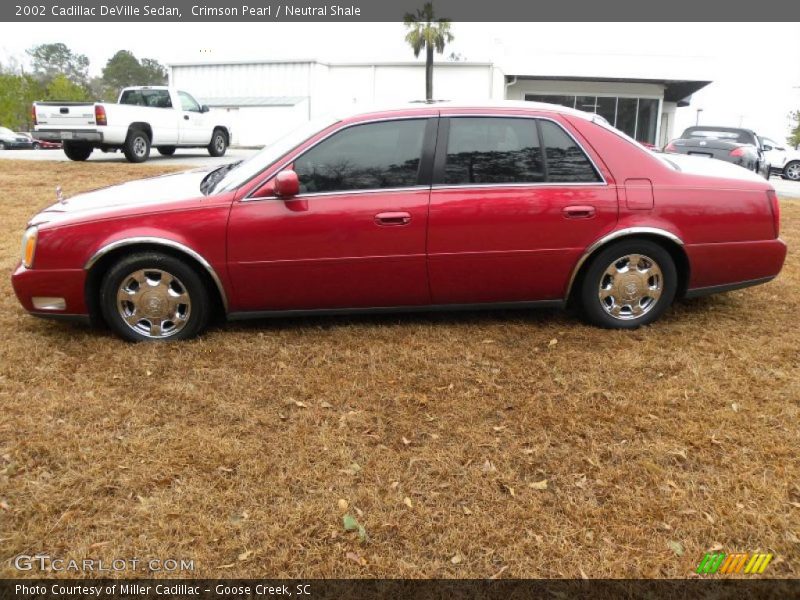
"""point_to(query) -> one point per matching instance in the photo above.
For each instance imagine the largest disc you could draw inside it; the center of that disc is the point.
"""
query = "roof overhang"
(679, 91)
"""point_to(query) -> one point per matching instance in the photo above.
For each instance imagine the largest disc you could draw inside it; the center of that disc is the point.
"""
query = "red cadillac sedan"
(425, 207)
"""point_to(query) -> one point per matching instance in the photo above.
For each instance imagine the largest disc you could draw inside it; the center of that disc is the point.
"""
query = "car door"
(354, 237)
(193, 127)
(515, 201)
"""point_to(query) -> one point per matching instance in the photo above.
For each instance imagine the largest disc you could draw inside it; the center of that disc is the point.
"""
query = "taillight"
(775, 207)
(740, 151)
(670, 147)
(100, 115)
(33, 114)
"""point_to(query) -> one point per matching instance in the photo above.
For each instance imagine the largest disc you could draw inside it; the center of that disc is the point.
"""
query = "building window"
(638, 117)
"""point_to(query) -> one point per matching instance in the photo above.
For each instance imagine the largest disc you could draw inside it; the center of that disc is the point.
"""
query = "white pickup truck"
(144, 117)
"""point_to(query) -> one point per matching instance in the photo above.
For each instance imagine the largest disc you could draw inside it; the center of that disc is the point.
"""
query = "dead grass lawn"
(439, 431)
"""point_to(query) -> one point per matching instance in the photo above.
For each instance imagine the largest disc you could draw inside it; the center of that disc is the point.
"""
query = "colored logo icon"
(727, 564)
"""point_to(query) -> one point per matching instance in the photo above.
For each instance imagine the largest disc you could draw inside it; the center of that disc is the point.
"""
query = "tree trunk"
(428, 72)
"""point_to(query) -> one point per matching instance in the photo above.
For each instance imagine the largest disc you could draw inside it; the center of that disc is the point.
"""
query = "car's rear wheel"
(154, 297)
(166, 150)
(137, 146)
(37, 146)
(77, 151)
(629, 284)
(792, 171)
(219, 143)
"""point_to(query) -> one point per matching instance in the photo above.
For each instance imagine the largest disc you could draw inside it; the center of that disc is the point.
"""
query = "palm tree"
(426, 31)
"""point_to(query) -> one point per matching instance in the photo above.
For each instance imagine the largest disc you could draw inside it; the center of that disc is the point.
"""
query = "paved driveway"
(189, 156)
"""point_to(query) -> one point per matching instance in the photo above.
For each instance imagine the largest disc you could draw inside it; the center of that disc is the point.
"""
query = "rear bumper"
(33, 285)
(728, 266)
(70, 135)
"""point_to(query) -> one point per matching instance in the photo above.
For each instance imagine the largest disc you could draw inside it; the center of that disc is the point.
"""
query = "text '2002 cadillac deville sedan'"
(423, 207)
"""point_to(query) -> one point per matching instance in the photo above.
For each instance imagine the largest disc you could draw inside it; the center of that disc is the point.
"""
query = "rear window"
(150, 98)
(717, 134)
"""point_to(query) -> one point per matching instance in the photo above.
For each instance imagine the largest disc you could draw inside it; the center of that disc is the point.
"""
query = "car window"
(151, 98)
(566, 162)
(188, 103)
(484, 150)
(363, 157)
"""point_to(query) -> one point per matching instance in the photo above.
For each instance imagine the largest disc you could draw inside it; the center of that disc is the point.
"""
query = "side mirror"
(767, 147)
(287, 184)
(204, 108)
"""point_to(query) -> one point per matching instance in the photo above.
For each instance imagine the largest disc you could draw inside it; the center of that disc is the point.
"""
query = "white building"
(265, 98)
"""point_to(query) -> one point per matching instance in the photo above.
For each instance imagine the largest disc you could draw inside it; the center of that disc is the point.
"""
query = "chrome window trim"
(461, 186)
(160, 242)
(602, 181)
(620, 233)
(249, 197)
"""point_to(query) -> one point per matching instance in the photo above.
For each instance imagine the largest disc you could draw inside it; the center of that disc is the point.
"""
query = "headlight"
(29, 246)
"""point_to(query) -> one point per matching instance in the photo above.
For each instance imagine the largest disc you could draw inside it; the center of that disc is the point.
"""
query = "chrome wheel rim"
(793, 171)
(153, 303)
(219, 143)
(139, 146)
(630, 287)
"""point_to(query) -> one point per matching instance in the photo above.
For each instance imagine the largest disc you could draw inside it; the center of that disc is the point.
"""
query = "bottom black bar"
(398, 589)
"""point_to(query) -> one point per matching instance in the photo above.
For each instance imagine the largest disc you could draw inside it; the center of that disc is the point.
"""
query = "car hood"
(710, 167)
(134, 196)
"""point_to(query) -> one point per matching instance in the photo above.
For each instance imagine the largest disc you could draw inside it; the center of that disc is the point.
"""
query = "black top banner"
(394, 10)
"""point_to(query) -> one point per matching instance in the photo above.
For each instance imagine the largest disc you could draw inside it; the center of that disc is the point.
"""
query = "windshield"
(254, 165)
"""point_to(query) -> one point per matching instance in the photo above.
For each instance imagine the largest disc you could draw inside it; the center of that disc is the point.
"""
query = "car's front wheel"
(152, 297)
(219, 143)
(628, 284)
(792, 171)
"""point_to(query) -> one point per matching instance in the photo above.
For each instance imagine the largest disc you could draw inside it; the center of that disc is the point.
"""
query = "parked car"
(782, 161)
(13, 141)
(40, 144)
(438, 206)
(144, 117)
(731, 144)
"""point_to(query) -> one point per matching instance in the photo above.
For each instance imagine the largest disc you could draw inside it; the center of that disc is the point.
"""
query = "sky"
(754, 67)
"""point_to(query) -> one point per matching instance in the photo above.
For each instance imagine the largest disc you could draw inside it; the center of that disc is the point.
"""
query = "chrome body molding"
(161, 242)
(620, 233)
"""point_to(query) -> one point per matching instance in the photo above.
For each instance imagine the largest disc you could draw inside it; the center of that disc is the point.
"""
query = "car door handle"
(579, 212)
(185, 117)
(393, 218)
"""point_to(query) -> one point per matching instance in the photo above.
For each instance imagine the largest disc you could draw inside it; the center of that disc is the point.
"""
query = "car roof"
(423, 106)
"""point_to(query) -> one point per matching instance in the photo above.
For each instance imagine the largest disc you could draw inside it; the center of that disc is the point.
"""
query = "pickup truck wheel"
(219, 143)
(792, 171)
(137, 146)
(630, 283)
(75, 151)
(166, 150)
(150, 296)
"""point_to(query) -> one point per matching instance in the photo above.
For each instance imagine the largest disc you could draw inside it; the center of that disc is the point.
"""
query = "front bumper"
(70, 135)
(68, 284)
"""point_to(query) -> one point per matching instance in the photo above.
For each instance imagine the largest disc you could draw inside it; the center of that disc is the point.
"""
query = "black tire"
(791, 170)
(37, 146)
(219, 143)
(166, 150)
(137, 146)
(155, 308)
(77, 151)
(598, 312)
